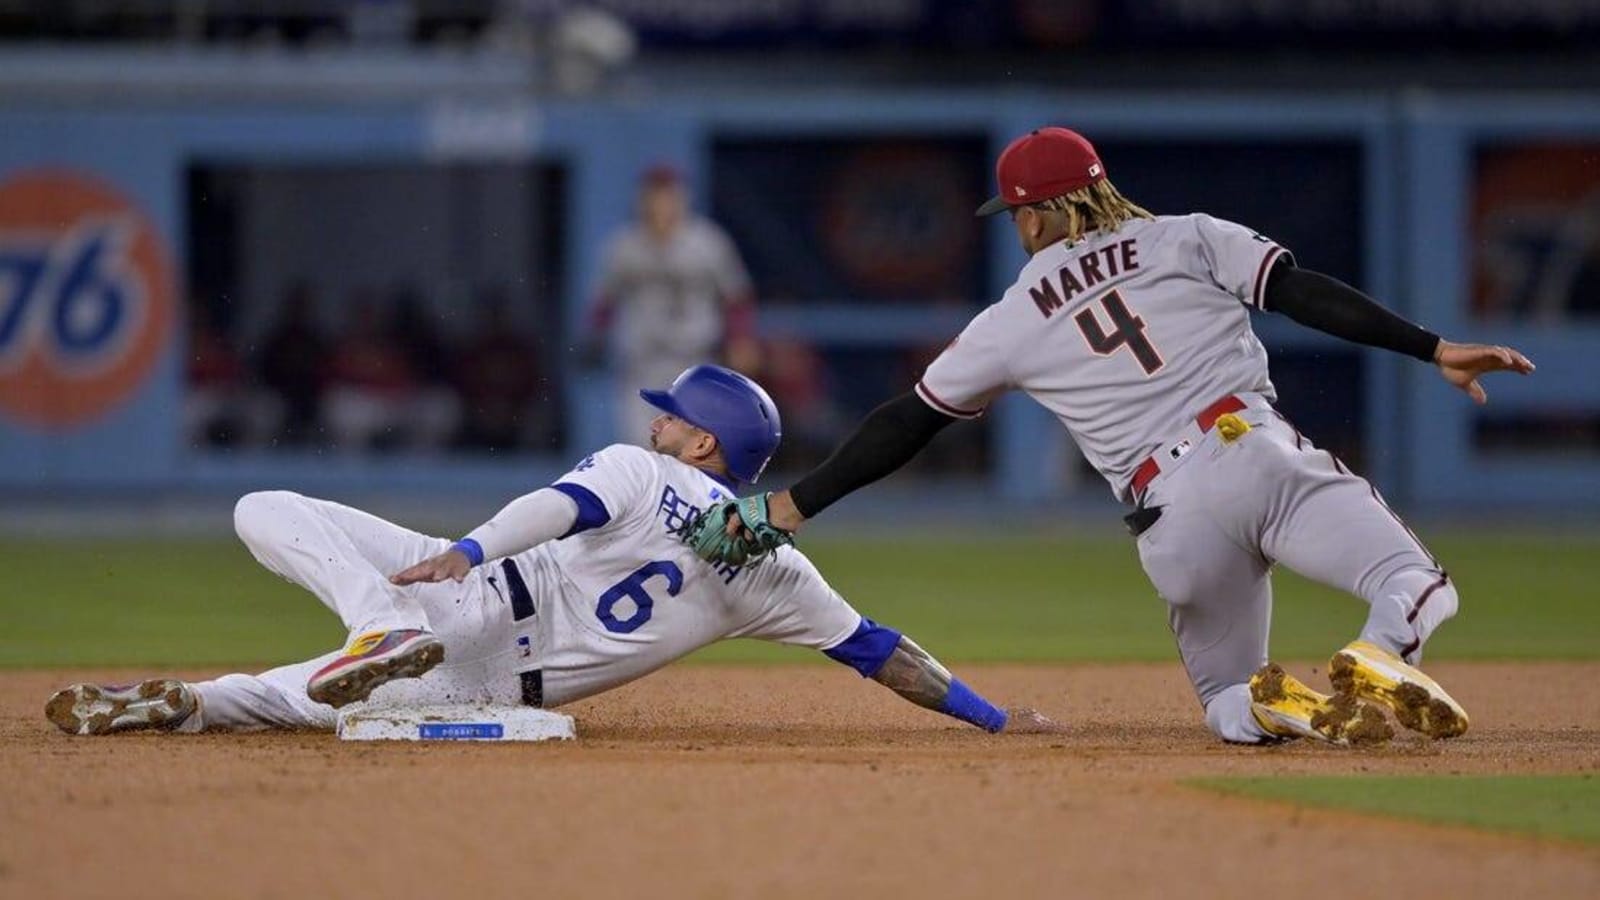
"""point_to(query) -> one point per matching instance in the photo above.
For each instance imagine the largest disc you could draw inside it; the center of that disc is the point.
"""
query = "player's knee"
(1434, 608)
(255, 513)
(1431, 596)
(1229, 717)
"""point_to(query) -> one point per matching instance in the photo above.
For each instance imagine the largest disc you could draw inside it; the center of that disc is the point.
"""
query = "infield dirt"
(721, 781)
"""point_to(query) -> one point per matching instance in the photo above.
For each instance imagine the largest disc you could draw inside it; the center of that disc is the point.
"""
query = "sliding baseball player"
(568, 591)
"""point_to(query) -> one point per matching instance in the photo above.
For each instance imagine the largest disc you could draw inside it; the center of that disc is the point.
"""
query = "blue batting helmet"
(730, 406)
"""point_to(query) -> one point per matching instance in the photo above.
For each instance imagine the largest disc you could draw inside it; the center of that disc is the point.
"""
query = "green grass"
(1558, 806)
(1044, 598)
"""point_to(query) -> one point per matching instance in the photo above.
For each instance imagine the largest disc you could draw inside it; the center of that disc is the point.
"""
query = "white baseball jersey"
(1123, 336)
(670, 297)
(624, 596)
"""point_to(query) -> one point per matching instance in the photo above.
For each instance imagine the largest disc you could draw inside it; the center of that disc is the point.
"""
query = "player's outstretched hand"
(1022, 720)
(449, 564)
(1461, 364)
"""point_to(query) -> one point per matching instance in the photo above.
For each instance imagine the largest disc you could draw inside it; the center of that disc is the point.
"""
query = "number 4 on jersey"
(1127, 330)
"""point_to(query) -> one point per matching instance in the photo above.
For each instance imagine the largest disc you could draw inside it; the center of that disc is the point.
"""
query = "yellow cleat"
(1286, 708)
(1372, 673)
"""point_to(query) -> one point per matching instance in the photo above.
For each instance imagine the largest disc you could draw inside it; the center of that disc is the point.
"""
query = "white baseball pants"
(345, 557)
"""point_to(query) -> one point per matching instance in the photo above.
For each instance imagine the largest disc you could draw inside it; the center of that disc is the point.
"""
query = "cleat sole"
(1416, 700)
(356, 682)
(1288, 708)
(87, 709)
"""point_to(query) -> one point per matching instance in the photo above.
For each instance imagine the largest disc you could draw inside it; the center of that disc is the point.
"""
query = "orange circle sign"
(86, 297)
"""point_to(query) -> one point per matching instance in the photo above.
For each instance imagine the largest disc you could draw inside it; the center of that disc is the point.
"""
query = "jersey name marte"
(1123, 336)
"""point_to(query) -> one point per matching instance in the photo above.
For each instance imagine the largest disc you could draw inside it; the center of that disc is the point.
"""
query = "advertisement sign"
(86, 298)
(1535, 247)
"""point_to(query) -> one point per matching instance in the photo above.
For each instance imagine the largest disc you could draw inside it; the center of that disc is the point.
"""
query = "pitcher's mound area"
(717, 781)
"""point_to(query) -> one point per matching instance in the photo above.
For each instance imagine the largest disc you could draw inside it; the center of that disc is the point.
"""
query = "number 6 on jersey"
(634, 588)
(1127, 331)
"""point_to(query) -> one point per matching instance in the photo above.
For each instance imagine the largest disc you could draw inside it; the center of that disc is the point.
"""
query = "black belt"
(521, 600)
(533, 688)
(522, 608)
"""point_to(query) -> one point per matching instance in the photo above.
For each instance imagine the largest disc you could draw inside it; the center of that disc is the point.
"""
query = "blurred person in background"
(673, 292)
(498, 373)
(224, 405)
(795, 372)
(291, 364)
(417, 329)
(375, 397)
(213, 372)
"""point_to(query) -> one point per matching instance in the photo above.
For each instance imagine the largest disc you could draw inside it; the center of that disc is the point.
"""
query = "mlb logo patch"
(1179, 449)
(525, 646)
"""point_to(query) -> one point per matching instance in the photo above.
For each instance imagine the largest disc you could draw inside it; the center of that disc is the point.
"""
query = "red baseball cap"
(1044, 163)
(660, 174)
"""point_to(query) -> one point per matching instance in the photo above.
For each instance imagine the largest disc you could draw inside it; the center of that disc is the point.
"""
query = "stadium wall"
(95, 236)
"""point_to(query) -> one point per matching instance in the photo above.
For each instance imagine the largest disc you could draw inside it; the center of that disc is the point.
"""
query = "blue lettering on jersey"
(676, 513)
(584, 464)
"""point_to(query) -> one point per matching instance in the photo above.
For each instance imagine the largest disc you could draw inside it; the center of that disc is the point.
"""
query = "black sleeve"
(1329, 305)
(886, 440)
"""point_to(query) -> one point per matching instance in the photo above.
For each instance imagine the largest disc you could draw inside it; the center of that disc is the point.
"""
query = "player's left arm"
(524, 523)
(790, 603)
(888, 438)
(1331, 306)
(741, 530)
(600, 490)
(900, 664)
(958, 384)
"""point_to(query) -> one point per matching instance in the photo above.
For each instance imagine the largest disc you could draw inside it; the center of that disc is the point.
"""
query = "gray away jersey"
(1124, 336)
(670, 297)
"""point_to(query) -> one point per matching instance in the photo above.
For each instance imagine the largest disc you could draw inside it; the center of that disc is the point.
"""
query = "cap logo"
(1094, 171)
(1020, 191)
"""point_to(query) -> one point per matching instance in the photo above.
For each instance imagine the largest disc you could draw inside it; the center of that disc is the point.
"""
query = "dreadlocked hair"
(1098, 207)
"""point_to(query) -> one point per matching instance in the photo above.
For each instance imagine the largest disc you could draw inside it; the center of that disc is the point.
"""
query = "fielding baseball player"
(569, 591)
(1135, 331)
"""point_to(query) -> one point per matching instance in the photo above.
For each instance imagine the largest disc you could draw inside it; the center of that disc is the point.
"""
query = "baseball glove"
(707, 533)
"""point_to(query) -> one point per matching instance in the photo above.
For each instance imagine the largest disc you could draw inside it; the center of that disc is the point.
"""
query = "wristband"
(963, 703)
(471, 549)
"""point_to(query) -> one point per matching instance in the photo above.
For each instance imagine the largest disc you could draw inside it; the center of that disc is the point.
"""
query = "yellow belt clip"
(1231, 427)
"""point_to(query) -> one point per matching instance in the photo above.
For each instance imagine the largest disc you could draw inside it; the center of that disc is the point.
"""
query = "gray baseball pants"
(1231, 510)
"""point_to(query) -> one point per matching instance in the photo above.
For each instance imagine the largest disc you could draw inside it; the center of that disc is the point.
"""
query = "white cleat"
(103, 709)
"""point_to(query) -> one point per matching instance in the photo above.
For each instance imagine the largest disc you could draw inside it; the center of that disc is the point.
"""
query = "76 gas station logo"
(86, 298)
(72, 301)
